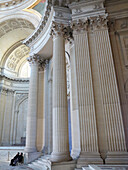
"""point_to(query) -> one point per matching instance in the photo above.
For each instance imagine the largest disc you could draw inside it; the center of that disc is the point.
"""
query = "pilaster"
(86, 106)
(117, 153)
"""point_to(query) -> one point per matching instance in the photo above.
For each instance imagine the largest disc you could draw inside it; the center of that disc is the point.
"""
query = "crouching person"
(14, 160)
(18, 159)
(21, 158)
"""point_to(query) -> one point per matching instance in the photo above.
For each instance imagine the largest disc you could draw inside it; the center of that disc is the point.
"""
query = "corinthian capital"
(98, 22)
(34, 59)
(60, 29)
(79, 25)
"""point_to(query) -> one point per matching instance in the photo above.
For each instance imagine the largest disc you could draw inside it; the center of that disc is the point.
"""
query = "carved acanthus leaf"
(60, 29)
(98, 22)
(79, 25)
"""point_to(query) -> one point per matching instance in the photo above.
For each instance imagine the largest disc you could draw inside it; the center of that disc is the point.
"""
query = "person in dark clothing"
(20, 158)
(14, 159)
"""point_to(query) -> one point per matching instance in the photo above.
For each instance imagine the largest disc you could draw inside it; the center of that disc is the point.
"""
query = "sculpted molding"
(36, 59)
(98, 22)
(14, 79)
(12, 24)
(59, 29)
(80, 25)
(11, 3)
(6, 90)
(41, 26)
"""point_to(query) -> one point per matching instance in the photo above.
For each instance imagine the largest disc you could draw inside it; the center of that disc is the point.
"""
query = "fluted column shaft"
(46, 91)
(110, 95)
(50, 111)
(32, 106)
(109, 91)
(60, 110)
(75, 128)
(86, 107)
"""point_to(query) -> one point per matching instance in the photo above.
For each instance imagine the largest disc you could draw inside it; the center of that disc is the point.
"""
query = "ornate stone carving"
(124, 46)
(13, 24)
(43, 64)
(41, 26)
(10, 3)
(34, 59)
(80, 25)
(111, 25)
(19, 53)
(98, 22)
(59, 29)
(77, 10)
(20, 97)
(97, 6)
(124, 24)
(6, 90)
(14, 79)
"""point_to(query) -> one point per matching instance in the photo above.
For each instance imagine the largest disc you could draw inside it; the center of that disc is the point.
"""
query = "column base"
(31, 156)
(75, 153)
(29, 150)
(89, 158)
(117, 158)
(60, 156)
(45, 150)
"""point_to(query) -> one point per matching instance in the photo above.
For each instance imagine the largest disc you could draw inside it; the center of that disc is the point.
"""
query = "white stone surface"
(31, 130)
(60, 112)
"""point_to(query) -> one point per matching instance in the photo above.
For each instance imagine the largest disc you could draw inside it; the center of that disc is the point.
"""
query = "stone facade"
(79, 60)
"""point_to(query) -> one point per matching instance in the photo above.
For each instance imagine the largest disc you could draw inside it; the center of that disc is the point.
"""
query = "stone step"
(34, 167)
(41, 165)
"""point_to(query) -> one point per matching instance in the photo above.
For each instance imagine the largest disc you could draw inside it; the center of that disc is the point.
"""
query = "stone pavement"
(5, 166)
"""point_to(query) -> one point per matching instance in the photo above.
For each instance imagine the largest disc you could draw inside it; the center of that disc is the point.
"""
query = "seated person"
(13, 161)
(20, 158)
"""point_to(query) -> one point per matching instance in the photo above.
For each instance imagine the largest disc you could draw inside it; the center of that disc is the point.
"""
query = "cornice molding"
(14, 79)
(41, 35)
(6, 90)
(41, 25)
(10, 3)
(11, 6)
(89, 8)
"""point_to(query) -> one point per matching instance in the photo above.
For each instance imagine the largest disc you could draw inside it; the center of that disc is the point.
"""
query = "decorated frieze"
(10, 3)
(16, 55)
(123, 41)
(4, 90)
(121, 24)
(41, 26)
(13, 24)
(2, 76)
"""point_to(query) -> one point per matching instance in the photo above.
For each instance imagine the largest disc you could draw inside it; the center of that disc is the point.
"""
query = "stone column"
(46, 91)
(2, 110)
(40, 115)
(110, 96)
(75, 127)
(60, 110)
(86, 107)
(32, 106)
(50, 110)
